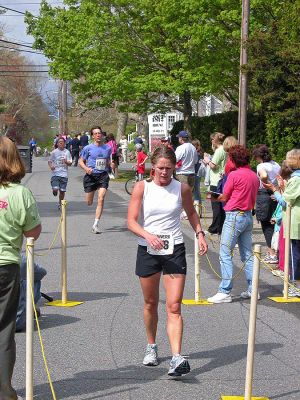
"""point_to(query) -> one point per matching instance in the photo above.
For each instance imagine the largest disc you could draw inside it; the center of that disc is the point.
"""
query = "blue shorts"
(59, 183)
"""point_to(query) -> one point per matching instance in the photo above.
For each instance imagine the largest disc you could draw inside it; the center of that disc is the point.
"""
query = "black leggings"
(268, 230)
(9, 299)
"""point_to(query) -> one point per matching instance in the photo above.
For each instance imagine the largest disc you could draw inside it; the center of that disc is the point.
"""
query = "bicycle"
(129, 184)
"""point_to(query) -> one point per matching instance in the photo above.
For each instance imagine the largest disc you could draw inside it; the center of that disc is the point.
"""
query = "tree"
(22, 111)
(144, 55)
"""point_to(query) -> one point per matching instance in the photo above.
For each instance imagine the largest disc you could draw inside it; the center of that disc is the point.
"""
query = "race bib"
(168, 247)
(61, 162)
(101, 164)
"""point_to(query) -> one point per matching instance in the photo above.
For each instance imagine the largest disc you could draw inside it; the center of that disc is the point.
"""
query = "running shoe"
(179, 366)
(95, 229)
(278, 272)
(59, 207)
(150, 358)
(247, 295)
(220, 298)
(293, 291)
(272, 260)
(266, 257)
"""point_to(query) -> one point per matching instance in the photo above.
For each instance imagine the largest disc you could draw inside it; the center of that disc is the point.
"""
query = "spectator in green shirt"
(18, 216)
(217, 165)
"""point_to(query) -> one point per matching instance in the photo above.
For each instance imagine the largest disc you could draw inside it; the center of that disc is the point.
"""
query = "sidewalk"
(95, 350)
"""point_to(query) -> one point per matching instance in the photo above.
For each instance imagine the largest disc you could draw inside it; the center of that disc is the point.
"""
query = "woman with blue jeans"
(239, 195)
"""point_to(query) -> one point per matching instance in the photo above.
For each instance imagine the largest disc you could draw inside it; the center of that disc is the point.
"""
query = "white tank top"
(161, 210)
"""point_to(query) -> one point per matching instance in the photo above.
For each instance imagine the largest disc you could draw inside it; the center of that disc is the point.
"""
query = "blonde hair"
(196, 143)
(229, 142)
(293, 159)
(217, 137)
(12, 169)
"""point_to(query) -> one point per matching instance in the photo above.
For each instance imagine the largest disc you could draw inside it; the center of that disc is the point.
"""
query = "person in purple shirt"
(239, 195)
(95, 160)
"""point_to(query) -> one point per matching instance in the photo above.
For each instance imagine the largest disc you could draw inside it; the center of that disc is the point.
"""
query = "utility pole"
(63, 107)
(243, 86)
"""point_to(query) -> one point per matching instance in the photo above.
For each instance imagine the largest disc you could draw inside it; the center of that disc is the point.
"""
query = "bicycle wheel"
(129, 185)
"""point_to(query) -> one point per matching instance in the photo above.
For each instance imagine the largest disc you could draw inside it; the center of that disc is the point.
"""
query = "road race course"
(95, 350)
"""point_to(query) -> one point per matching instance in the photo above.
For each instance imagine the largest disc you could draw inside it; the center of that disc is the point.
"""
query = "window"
(171, 120)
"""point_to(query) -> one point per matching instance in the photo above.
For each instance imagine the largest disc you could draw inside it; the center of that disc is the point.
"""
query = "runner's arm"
(187, 203)
(82, 164)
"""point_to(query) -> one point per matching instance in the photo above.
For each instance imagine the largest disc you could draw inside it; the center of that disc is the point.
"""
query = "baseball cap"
(165, 139)
(138, 146)
(183, 134)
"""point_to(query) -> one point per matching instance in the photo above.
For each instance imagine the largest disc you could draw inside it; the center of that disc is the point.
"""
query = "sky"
(15, 31)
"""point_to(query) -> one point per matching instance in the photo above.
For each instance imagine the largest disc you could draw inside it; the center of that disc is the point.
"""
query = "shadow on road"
(94, 381)
(87, 296)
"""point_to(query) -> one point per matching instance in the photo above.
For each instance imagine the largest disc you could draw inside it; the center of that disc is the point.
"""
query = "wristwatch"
(197, 234)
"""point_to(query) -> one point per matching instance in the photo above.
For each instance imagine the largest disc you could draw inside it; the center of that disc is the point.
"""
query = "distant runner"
(59, 161)
(95, 160)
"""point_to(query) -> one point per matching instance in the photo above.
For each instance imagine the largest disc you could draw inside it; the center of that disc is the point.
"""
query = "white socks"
(96, 223)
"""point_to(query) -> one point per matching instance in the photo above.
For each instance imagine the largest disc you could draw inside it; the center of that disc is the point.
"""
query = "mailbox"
(26, 156)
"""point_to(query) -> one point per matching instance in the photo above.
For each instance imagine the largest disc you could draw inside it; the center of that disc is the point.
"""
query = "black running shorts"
(91, 183)
(148, 264)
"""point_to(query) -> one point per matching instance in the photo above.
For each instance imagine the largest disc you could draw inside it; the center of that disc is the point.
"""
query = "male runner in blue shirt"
(95, 160)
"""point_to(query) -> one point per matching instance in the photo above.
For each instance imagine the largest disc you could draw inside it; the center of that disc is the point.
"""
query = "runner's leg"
(174, 286)
(150, 288)
(101, 196)
(89, 198)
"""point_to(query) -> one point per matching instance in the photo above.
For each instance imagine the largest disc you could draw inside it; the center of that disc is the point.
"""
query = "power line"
(23, 76)
(25, 51)
(18, 71)
(20, 4)
(24, 65)
(31, 3)
(16, 11)
(18, 44)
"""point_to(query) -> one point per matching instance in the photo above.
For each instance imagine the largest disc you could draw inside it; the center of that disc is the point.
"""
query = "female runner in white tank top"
(154, 215)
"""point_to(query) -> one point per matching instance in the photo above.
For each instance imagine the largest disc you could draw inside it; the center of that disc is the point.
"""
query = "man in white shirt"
(187, 158)
(59, 161)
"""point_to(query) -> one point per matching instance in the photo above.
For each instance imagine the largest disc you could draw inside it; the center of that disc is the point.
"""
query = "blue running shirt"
(97, 157)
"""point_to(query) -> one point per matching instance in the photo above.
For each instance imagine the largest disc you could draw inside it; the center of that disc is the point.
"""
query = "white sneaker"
(220, 298)
(247, 295)
(150, 358)
(179, 366)
(95, 229)
(278, 272)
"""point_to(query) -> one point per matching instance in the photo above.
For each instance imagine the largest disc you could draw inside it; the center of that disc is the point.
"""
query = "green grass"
(124, 175)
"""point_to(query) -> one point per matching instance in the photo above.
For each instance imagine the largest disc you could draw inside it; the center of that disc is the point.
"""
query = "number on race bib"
(168, 245)
(100, 163)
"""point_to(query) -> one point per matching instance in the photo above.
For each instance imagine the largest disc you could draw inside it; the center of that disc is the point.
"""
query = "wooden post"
(64, 291)
(29, 318)
(252, 324)
(287, 233)
(243, 85)
(197, 262)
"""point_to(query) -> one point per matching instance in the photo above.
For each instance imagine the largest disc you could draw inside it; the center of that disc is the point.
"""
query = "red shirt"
(140, 157)
(229, 166)
(241, 189)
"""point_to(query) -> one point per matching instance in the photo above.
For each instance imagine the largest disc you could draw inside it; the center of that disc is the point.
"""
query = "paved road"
(95, 350)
